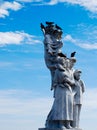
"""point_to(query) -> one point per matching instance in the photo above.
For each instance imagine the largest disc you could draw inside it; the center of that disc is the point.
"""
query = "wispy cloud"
(5, 64)
(17, 38)
(29, 0)
(22, 102)
(89, 108)
(80, 43)
(87, 4)
(28, 107)
(89, 99)
(5, 7)
(19, 109)
(88, 46)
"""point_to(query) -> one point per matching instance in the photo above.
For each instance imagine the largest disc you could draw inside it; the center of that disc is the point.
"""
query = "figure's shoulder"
(81, 82)
(82, 85)
(58, 71)
(47, 36)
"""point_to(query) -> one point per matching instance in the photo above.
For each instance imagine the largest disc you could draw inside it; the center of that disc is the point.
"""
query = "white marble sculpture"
(65, 81)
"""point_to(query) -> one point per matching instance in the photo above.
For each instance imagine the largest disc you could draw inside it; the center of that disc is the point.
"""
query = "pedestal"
(59, 129)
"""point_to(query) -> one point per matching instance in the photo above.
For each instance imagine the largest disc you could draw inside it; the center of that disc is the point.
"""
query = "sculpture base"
(59, 129)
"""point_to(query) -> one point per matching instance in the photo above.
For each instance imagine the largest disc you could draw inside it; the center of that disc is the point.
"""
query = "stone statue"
(62, 109)
(78, 90)
(65, 81)
(52, 46)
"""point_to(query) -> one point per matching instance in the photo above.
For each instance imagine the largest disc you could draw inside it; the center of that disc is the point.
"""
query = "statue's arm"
(69, 81)
(55, 83)
(82, 85)
(48, 39)
(57, 79)
(57, 45)
(51, 66)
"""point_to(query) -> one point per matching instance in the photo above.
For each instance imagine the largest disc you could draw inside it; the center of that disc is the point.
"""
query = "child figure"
(78, 89)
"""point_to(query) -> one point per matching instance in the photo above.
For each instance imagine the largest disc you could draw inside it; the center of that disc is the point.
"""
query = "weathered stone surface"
(65, 82)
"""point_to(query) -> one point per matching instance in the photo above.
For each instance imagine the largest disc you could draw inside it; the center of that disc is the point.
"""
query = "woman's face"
(77, 75)
(71, 64)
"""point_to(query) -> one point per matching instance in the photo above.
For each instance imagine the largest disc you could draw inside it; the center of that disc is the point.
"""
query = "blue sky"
(25, 96)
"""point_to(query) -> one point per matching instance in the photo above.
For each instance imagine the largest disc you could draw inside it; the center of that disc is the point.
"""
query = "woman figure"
(61, 113)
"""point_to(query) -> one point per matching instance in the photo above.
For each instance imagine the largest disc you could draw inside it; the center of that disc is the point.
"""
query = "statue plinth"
(59, 129)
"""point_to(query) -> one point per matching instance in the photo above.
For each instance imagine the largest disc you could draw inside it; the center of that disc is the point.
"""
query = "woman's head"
(72, 61)
(77, 74)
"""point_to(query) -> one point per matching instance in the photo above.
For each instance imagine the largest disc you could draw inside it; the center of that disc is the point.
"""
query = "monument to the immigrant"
(65, 82)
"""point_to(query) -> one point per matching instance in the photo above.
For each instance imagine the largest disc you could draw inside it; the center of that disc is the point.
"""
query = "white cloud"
(53, 2)
(17, 37)
(80, 43)
(90, 5)
(7, 38)
(22, 102)
(69, 38)
(22, 109)
(18, 101)
(89, 99)
(29, 0)
(88, 45)
(6, 6)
